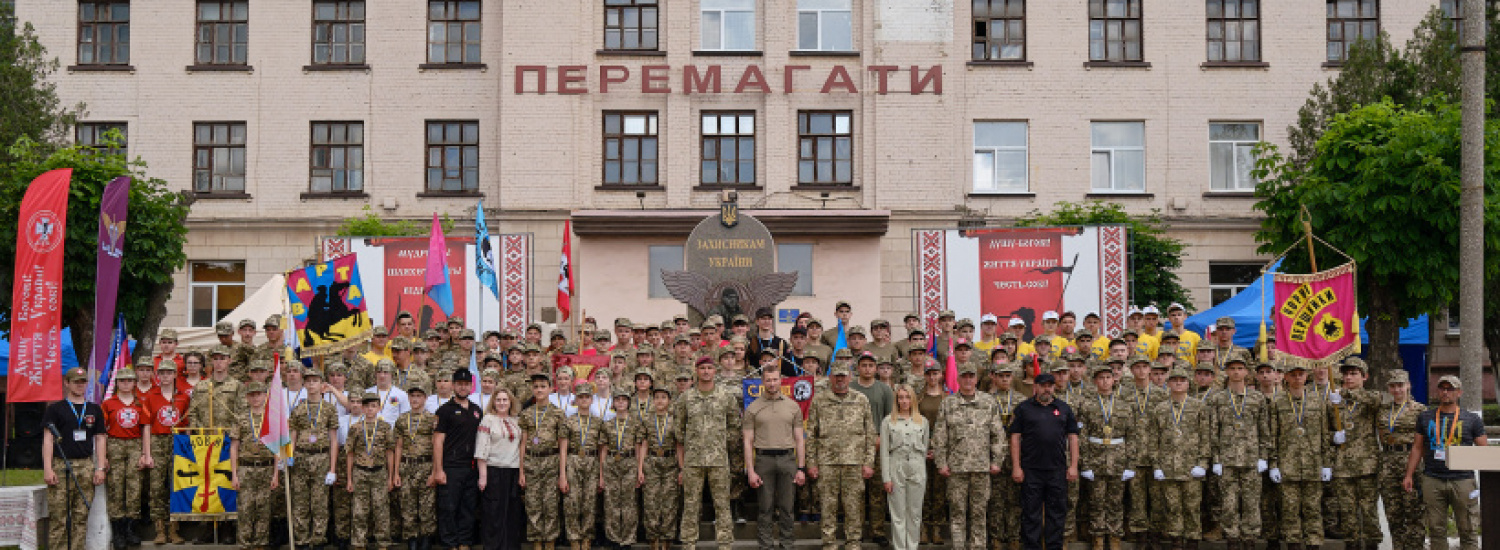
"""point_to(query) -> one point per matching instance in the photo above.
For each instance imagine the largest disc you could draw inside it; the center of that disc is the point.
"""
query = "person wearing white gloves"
(1105, 455)
(1176, 437)
(314, 426)
(1239, 434)
(1300, 458)
(1438, 431)
(1141, 396)
(1355, 457)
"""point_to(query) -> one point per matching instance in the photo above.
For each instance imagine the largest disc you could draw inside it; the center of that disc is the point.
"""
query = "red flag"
(565, 273)
(35, 331)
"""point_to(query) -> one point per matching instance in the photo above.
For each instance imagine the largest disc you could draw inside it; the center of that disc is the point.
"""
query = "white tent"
(265, 302)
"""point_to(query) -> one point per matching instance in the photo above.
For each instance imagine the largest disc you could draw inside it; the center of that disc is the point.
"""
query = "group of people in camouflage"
(1179, 439)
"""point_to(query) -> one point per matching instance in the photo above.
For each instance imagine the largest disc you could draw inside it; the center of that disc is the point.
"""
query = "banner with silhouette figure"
(328, 306)
(1316, 317)
(1024, 272)
(202, 481)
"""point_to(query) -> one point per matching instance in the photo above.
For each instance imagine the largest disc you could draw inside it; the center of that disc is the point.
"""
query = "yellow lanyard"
(1178, 409)
(1390, 423)
(661, 439)
(364, 429)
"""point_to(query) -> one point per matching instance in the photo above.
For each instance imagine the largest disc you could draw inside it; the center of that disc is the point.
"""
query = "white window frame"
(1111, 150)
(820, 12)
(1233, 288)
(805, 280)
(194, 284)
(724, 7)
(1233, 144)
(993, 186)
(655, 271)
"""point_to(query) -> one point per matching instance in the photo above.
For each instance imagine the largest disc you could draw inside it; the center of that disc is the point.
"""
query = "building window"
(728, 148)
(825, 25)
(453, 31)
(1453, 18)
(668, 257)
(1114, 30)
(338, 33)
(223, 32)
(1231, 155)
(630, 24)
(338, 157)
(1234, 30)
(453, 156)
(1000, 163)
(630, 148)
(825, 148)
(798, 258)
(1225, 279)
(728, 24)
(219, 157)
(1350, 21)
(1119, 156)
(104, 33)
(97, 136)
(999, 30)
(216, 288)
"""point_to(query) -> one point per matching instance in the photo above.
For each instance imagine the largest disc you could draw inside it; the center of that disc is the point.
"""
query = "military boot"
(161, 532)
(1114, 543)
(1098, 543)
(937, 534)
(172, 534)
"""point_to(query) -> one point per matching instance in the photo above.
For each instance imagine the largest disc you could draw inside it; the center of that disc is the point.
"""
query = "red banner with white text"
(36, 303)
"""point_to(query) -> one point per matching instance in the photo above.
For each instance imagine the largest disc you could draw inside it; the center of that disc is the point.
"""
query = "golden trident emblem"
(729, 209)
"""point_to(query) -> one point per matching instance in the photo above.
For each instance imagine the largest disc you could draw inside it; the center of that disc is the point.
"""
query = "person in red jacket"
(129, 452)
(168, 406)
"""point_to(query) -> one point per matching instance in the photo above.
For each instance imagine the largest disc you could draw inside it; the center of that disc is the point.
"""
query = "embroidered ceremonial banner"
(36, 298)
(328, 306)
(202, 488)
(1316, 316)
(797, 388)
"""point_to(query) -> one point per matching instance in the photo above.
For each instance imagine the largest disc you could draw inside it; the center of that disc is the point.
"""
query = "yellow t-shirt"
(1146, 344)
(1100, 348)
(1058, 345)
(1187, 348)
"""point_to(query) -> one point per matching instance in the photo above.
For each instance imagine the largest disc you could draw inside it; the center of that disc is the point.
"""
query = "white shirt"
(600, 409)
(564, 402)
(294, 398)
(393, 402)
(344, 418)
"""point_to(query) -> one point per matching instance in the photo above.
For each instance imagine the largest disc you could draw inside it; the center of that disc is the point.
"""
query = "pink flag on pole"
(273, 429)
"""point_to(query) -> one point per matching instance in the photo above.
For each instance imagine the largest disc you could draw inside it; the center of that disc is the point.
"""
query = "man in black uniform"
(453, 464)
(80, 428)
(1044, 451)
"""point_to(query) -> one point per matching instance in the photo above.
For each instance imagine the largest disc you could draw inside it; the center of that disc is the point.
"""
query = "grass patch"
(16, 477)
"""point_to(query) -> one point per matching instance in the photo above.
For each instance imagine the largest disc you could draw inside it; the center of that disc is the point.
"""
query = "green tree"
(1382, 185)
(371, 225)
(1155, 257)
(154, 237)
(31, 107)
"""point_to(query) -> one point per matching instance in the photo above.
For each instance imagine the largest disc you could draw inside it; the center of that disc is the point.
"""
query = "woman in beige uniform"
(903, 465)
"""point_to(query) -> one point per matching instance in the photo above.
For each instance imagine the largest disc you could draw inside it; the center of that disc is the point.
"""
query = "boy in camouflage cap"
(255, 472)
(1175, 437)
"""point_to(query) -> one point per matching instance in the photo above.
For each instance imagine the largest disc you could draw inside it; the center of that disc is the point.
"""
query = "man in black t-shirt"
(1438, 430)
(1044, 452)
(81, 428)
(453, 464)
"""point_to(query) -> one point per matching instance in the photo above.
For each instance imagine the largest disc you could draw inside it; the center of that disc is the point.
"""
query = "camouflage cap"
(1355, 363)
(640, 327)
(401, 344)
(259, 387)
(420, 345)
(1009, 367)
(1098, 368)
(1397, 376)
(220, 349)
(1170, 336)
(167, 334)
(814, 321)
(1163, 365)
(643, 372)
(965, 322)
(533, 348)
(622, 391)
(1224, 322)
(843, 353)
(125, 374)
(224, 329)
(680, 317)
(381, 331)
(310, 371)
(385, 365)
(431, 333)
(717, 320)
(1206, 366)
(946, 314)
(488, 374)
(645, 349)
(369, 397)
(839, 369)
(1178, 372)
(960, 344)
(260, 364)
(622, 322)
(569, 349)
(877, 323)
(682, 339)
(1075, 357)
(1083, 332)
(740, 318)
(708, 324)
(856, 329)
(584, 388)
(247, 323)
(1057, 365)
(274, 321)
(683, 374)
(1129, 332)
(455, 320)
(968, 368)
(1136, 359)
(619, 354)
(1113, 361)
(166, 365)
(557, 333)
(336, 367)
(667, 325)
(414, 386)
(466, 334)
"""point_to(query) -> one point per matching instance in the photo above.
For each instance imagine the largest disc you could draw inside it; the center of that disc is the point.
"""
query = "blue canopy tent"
(1248, 309)
(69, 358)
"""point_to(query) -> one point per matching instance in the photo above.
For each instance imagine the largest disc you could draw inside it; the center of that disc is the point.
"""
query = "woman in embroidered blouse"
(903, 465)
(497, 449)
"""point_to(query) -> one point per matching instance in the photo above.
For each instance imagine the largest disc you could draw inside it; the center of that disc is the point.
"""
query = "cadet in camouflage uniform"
(703, 418)
(586, 440)
(314, 424)
(406, 374)
(841, 441)
(348, 407)
(968, 442)
(125, 423)
(1239, 432)
(1106, 455)
(546, 436)
(1004, 522)
(1144, 516)
(218, 398)
(621, 434)
(657, 470)
(1299, 459)
(1398, 429)
(414, 464)
(241, 371)
(371, 454)
(1176, 435)
(272, 348)
(1355, 456)
(255, 473)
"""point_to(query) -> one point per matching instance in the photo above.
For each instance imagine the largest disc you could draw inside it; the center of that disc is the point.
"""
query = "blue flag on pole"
(484, 255)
